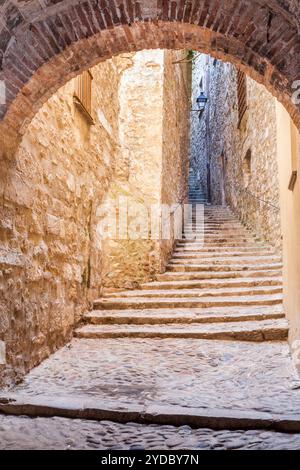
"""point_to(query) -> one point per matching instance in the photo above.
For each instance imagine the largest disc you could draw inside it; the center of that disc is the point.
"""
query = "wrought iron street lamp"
(201, 103)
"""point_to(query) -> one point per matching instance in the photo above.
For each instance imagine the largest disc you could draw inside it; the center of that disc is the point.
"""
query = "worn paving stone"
(65, 434)
(205, 374)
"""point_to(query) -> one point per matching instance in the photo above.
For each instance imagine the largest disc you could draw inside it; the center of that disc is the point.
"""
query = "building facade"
(234, 145)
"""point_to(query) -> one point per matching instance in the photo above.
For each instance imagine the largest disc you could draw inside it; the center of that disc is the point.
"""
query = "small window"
(83, 94)
(242, 95)
(247, 168)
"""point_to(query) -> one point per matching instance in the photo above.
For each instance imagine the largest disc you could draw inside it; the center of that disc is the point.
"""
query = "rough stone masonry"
(52, 262)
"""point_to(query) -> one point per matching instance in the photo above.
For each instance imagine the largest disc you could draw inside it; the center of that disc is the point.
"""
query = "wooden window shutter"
(83, 94)
(242, 94)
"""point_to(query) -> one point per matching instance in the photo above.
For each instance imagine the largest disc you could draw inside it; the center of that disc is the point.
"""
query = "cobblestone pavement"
(60, 433)
(205, 374)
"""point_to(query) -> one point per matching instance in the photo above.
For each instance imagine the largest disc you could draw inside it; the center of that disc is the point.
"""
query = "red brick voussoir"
(45, 44)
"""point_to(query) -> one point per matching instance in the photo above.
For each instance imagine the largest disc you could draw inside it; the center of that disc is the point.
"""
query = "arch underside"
(40, 52)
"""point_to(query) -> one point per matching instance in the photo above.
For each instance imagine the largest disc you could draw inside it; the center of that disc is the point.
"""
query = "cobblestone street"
(65, 434)
(247, 377)
(170, 372)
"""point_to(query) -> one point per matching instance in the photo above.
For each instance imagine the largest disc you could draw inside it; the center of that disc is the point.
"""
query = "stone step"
(221, 237)
(215, 384)
(170, 302)
(190, 315)
(196, 293)
(245, 260)
(198, 275)
(213, 283)
(200, 245)
(197, 244)
(221, 267)
(214, 230)
(219, 220)
(258, 331)
(226, 250)
(217, 239)
(187, 254)
(243, 241)
(216, 233)
(91, 408)
(215, 226)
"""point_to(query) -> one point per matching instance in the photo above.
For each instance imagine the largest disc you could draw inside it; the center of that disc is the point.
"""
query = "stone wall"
(242, 157)
(52, 259)
(50, 265)
(199, 136)
(176, 142)
(154, 137)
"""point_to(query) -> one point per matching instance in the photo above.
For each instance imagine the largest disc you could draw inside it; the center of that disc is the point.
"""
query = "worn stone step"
(198, 275)
(215, 230)
(244, 260)
(217, 240)
(196, 244)
(171, 302)
(192, 254)
(230, 244)
(197, 293)
(213, 283)
(190, 315)
(222, 267)
(91, 408)
(218, 236)
(258, 331)
(224, 251)
(224, 227)
(201, 247)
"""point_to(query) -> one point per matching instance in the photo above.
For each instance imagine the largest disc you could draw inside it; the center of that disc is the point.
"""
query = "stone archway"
(42, 47)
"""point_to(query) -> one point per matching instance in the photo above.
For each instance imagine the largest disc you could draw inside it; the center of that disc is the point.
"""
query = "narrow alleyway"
(227, 286)
(119, 328)
(203, 346)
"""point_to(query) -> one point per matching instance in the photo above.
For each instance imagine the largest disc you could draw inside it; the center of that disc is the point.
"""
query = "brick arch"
(43, 44)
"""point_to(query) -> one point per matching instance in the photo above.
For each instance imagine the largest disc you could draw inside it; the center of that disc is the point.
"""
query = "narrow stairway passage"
(202, 345)
(227, 287)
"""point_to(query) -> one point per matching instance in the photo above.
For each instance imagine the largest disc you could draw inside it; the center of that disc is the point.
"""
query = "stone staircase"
(166, 359)
(196, 195)
(227, 288)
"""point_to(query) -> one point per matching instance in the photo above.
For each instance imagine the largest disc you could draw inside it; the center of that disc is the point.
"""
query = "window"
(247, 168)
(83, 94)
(242, 95)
